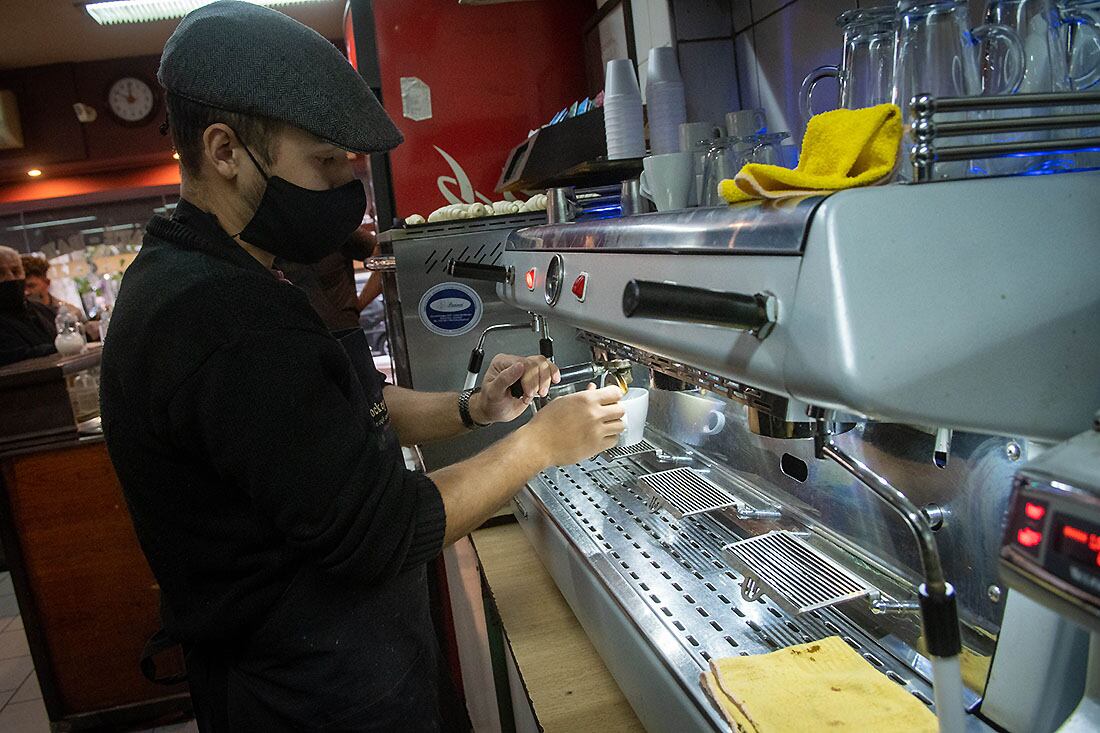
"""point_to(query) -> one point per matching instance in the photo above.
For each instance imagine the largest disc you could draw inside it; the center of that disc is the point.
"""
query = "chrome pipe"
(926, 104)
(900, 503)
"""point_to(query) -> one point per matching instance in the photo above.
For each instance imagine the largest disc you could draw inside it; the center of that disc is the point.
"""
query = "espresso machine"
(850, 396)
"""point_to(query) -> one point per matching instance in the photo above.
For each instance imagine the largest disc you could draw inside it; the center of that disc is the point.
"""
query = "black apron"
(348, 675)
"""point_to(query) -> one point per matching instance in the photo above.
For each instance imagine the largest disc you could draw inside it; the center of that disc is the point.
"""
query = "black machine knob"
(671, 302)
(477, 271)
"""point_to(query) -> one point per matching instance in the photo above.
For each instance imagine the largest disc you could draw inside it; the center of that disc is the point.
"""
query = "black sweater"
(266, 485)
(26, 333)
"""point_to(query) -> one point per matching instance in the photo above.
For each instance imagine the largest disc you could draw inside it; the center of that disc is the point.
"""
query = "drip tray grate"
(794, 574)
(624, 451)
(684, 492)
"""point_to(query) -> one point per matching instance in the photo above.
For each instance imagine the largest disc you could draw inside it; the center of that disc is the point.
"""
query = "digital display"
(1079, 541)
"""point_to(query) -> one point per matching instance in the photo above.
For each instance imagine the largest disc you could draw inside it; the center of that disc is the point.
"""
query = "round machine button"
(580, 286)
(555, 275)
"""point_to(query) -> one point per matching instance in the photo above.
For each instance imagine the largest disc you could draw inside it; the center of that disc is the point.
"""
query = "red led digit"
(1072, 533)
(1029, 537)
(1034, 511)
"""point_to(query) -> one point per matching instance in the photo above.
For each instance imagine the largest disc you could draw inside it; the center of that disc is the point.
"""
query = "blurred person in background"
(36, 269)
(330, 283)
(26, 327)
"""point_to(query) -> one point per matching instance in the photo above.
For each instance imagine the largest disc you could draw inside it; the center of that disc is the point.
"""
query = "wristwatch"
(464, 408)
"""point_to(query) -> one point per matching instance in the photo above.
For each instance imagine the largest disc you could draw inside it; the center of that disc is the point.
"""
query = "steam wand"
(939, 612)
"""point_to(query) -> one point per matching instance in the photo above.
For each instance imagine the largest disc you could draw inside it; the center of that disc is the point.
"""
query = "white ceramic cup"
(745, 122)
(667, 180)
(636, 406)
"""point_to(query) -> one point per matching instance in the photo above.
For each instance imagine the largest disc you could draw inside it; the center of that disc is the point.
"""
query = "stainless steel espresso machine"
(842, 390)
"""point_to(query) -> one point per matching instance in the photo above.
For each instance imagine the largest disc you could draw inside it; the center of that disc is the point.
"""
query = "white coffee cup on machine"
(636, 408)
(667, 180)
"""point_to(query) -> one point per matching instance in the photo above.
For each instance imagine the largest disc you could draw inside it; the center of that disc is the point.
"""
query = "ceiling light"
(111, 12)
(34, 173)
(175, 156)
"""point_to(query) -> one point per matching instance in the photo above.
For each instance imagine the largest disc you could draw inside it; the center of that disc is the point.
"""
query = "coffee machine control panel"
(1051, 547)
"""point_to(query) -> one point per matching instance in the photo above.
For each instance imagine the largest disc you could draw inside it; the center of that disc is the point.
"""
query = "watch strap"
(464, 408)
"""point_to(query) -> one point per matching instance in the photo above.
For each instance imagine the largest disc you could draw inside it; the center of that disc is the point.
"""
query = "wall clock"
(131, 100)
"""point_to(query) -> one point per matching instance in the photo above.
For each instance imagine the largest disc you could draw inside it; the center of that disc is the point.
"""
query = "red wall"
(495, 72)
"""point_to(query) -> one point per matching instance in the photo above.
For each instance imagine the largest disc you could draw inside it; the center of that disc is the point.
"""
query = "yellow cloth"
(823, 685)
(841, 149)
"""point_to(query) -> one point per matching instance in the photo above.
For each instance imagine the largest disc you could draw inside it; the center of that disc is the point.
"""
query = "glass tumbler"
(937, 53)
(727, 155)
(866, 73)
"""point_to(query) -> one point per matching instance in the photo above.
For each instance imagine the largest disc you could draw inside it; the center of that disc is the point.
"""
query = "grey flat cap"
(245, 58)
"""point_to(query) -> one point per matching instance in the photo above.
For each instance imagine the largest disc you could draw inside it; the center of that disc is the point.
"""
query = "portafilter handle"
(480, 271)
(671, 302)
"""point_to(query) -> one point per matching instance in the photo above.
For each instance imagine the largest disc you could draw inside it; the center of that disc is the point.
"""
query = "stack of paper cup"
(664, 93)
(622, 111)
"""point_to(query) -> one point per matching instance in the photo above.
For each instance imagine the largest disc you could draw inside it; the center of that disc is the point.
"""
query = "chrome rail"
(926, 132)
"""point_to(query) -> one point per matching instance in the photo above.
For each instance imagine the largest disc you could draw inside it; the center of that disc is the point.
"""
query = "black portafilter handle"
(585, 372)
(477, 271)
(671, 302)
(546, 348)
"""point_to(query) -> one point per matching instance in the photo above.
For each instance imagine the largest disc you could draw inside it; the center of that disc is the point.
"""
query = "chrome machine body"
(955, 325)
(414, 266)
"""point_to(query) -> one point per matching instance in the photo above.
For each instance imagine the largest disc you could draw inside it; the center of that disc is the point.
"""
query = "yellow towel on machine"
(823, 685)
(841, 149)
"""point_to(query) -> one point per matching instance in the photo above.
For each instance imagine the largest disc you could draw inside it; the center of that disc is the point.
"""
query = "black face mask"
(11, 296)
(302, 225)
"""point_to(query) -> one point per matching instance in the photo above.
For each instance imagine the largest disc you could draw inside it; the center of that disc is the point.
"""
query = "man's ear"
(220, 149)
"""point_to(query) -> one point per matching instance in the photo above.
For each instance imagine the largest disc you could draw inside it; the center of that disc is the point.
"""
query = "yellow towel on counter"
(841, 149)
(823, 685)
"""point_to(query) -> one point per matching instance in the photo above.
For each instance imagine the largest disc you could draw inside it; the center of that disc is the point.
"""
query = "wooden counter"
(568, 685)
(87, 597)
(35, 407)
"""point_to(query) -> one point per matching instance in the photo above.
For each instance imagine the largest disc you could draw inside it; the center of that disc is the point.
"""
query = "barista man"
(262, 466)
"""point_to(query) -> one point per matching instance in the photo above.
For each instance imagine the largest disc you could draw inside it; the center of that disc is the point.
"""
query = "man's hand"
(494, 403)
(579, 425)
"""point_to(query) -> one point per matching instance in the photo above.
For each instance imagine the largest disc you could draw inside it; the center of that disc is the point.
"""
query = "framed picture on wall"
(609, 34)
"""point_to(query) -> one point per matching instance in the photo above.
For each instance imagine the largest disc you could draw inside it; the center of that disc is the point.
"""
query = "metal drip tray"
(623, 451)
(684, 492)
(785, 567)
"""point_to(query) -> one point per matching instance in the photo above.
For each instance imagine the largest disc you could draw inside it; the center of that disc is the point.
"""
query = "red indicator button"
(1029, 537)
(529, 278)
(580, 286)
(1034, 511)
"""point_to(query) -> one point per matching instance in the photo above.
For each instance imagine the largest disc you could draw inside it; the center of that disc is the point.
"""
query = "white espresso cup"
(636, 407)
(667, 180)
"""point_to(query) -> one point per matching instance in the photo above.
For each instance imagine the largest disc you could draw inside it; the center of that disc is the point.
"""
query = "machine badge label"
(450, 309)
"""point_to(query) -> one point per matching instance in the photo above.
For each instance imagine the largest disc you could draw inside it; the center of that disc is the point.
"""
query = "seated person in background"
(36, 269)
(26, 328)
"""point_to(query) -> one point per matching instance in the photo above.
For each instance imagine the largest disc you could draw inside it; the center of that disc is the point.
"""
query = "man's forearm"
(421, 417)
(475, 488)
(372, 288)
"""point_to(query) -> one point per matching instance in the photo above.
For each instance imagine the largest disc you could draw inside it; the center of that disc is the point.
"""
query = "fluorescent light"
(115, 228)
(111, 12)
(55, 223)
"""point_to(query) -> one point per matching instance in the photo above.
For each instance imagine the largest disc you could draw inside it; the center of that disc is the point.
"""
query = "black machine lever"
(477, 271)
(671, 302)
(546, 348)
